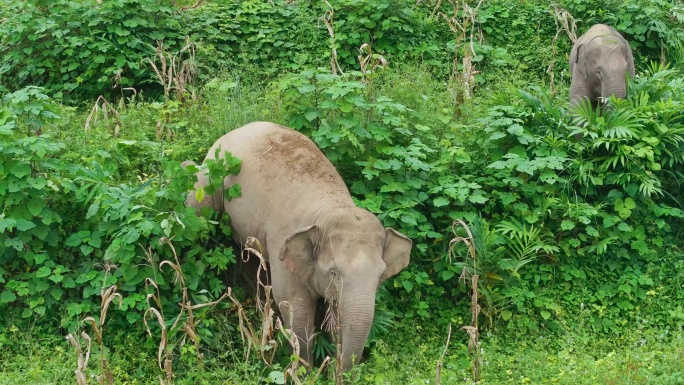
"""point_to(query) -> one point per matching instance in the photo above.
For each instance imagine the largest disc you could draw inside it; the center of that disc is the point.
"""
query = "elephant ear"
(396, 254)
(629, 57)
(583, 68)
(298, 252)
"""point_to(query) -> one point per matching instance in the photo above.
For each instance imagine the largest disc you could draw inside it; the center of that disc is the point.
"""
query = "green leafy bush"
(595, 201)
(84, 49)
(68, 230)
(653, 27)
(29, 223)
(256, 34)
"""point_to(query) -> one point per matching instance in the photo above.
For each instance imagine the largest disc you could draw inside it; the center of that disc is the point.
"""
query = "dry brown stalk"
(440, 362)
(567, 22)
(105, 376)
(328, 19)
(188, 327)
(473, 328)
(173, 72)
(262, 341)
(370, 60)
(103, 107)
(462, 24)
(197, 4)
(82, 357)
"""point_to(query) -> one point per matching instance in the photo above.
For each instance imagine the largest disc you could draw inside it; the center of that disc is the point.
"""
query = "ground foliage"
(80, 50)
(572, 214)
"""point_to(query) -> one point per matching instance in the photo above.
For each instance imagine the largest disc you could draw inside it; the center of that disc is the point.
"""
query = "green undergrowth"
(647, 356)
(576, 219)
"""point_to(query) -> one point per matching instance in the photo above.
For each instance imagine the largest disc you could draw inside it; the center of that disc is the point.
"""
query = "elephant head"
(344, 258)
(599, 62)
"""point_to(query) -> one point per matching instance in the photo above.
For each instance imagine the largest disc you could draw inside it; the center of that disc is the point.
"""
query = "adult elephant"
(599, 62)
(316, 241)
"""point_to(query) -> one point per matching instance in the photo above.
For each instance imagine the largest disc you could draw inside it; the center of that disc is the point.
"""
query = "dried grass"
(567, 22)
(473, 328)
(184, 325)
(262, 340)
(369, 62)
(175, 72)
(328, 19)
(108, 296)
(105, 109)
(462, 24)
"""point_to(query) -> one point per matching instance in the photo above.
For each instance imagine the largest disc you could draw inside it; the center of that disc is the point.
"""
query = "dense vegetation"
(577, 244)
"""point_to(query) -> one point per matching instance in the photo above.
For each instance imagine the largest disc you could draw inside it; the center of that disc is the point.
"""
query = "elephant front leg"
(298, 315)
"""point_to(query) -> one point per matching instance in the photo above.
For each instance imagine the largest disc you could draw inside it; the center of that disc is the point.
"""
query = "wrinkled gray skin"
(599, 62)
(296, 204)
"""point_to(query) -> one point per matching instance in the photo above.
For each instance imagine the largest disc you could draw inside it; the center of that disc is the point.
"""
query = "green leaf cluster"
(83, 49)
(68, 230)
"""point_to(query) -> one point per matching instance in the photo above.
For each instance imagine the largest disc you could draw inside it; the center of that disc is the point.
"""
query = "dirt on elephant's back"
(294, 154)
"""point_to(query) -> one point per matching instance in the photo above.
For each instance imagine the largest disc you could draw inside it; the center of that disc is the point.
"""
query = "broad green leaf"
(92, 210)
(276, 377)
(623, 226)
(20, 170)
(408, 285)
(477, 197)
(346, 107)
(567, 225)
(227, 85)
(41, 285)
(23, 225)
(43, 272)
(57, 293)
(86, 250)
(129, 272)
(35, 206)
(234, 191)
(629, 203)
(311, 115)
(74, 240)
(57, 278)
(545, 314)
(441, 201)
(7, 296)
(592, 231)
(7, 223)
(133, 234)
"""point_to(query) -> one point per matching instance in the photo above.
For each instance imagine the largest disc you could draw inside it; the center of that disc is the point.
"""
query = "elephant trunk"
(615, 87)
(357, 309)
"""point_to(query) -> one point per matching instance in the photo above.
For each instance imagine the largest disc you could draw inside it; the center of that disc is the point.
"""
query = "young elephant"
(599, 61)
(316, 241)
